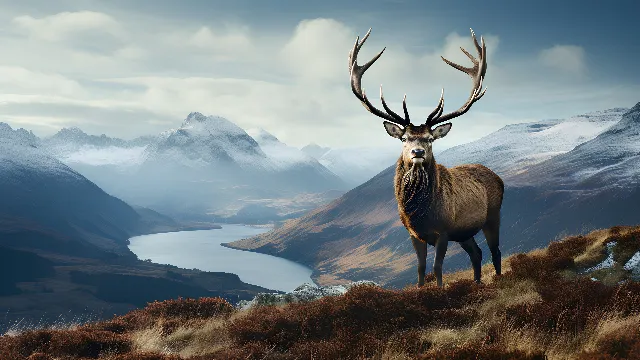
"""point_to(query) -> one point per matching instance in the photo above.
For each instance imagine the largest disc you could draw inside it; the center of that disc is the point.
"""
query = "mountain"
(37, 188)
(517, 147)
(210, 158)
(609, 160)
(314, 150)
(67, 240)
(359, 235)
(207, 169)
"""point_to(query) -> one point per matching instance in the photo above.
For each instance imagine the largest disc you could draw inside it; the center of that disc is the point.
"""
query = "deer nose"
(417, 152)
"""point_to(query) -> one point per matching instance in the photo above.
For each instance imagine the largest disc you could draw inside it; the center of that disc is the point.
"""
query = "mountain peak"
(70, 133)
(195, 117)
(198, 122)
(20, 135)
(635, 109)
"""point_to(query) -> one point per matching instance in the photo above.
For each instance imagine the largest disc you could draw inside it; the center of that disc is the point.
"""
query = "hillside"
(550, 303)
(359, 236)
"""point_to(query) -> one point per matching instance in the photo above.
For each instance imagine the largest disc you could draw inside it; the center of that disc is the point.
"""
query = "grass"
(544, 306)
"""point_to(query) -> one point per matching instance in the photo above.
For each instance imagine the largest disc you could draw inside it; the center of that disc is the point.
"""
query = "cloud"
(18, 80)
(232, 41)
(318, 50)
(569, 58)
(294, 83)
(130, 52)
(65, 25)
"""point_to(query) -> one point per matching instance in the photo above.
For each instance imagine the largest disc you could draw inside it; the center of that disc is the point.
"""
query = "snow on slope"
(73, 146)
(19, 154)
(610, 159)
(516, 147)
(205, 140)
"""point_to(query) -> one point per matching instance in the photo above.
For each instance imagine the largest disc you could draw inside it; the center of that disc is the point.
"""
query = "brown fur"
(449, 204)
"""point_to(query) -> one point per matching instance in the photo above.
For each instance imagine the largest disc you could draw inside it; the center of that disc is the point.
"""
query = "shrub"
(73, 343)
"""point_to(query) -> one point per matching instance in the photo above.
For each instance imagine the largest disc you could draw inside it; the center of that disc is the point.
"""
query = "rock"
(608, 262)
(633, 265)
(303, 293)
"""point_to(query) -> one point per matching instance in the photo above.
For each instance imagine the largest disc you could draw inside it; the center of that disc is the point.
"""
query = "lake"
(201, 249)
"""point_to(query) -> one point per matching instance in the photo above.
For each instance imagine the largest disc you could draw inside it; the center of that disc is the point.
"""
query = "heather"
(545, 305)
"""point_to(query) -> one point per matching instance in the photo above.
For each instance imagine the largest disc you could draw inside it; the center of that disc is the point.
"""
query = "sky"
(129, 68)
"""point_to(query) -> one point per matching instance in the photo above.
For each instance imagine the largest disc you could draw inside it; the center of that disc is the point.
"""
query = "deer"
(437, 204)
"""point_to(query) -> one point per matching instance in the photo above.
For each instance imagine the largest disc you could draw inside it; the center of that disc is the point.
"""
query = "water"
(202, 250)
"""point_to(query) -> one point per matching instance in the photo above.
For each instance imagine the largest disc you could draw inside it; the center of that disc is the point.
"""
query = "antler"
(356, 85)
(477, 74)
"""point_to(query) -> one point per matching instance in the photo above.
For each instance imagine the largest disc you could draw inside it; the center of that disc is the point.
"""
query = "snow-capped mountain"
(516, 147)
(611, 159)
(205, 141)
(207, 165)
(40, 192)
(215, 143)
(19, 136)
(74, 146)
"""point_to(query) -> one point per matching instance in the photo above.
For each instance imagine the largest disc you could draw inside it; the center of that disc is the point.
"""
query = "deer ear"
(393, 130)
(441, 131)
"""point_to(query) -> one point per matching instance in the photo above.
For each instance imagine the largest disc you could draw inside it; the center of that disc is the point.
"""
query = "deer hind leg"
(475, 254)
(421, 252)
(492, 234)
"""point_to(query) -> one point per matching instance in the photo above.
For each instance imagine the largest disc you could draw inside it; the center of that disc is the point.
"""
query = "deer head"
(417, 140)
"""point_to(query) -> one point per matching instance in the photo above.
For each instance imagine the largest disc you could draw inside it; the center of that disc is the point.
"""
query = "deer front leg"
(441, 250)
(421, 253)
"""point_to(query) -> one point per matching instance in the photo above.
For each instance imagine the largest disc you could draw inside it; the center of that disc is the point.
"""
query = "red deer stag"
(439, 204)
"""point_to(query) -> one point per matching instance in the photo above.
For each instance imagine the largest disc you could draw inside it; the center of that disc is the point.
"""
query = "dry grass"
(542, 307)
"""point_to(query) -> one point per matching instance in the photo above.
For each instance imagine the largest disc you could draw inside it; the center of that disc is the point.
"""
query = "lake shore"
(205, 250)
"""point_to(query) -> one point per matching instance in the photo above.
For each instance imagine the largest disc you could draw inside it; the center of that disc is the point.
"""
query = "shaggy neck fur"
(414, 185)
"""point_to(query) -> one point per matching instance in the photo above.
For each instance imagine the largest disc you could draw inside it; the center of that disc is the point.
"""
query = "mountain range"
(63, 244)
(562, 176)
(206, 169)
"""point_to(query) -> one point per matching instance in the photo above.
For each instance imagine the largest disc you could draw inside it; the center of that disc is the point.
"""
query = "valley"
(563, 176)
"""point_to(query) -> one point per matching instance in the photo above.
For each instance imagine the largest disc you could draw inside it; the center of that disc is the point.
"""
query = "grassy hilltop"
(544, 306)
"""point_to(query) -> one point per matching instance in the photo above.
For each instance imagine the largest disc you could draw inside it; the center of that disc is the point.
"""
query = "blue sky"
(128, 68)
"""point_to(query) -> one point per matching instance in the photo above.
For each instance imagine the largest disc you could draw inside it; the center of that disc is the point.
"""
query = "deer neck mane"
(415, 186)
